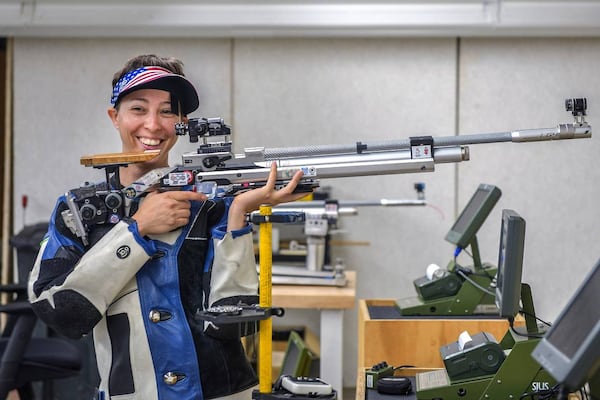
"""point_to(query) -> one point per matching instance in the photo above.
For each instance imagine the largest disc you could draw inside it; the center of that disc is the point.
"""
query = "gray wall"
(287, 92)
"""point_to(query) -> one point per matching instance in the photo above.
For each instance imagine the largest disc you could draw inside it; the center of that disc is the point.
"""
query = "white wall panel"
(519, 84)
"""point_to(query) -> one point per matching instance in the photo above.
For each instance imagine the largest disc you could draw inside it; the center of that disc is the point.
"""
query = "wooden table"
(331, 301)
(413, 340)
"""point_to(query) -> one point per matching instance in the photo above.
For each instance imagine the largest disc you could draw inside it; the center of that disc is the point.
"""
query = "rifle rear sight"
(204, 128)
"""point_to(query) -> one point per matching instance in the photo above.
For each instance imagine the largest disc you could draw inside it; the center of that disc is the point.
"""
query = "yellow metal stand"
(265, 342)
(266, 390)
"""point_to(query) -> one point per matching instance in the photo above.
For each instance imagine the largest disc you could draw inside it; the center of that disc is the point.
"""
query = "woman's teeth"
(150, 142)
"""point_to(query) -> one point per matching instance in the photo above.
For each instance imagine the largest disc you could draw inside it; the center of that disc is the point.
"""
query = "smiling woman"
(137, 279)
(149, 96)
(145, 120)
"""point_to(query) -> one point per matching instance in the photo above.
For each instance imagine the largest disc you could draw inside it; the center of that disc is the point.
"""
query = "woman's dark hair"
(149, 60)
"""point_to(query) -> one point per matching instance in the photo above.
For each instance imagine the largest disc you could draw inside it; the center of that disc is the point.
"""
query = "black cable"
(403, 366)
(527, 335)
(548, 324)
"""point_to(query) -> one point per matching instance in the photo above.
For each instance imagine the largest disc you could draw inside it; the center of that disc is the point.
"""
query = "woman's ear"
(112, 114)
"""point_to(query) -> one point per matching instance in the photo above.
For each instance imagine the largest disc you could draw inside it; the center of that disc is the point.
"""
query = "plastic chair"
(24, 357)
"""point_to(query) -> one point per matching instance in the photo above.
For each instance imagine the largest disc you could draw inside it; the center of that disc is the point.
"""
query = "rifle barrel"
(560, 132)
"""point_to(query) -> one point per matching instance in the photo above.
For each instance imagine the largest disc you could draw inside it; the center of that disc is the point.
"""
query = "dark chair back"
(24, 357)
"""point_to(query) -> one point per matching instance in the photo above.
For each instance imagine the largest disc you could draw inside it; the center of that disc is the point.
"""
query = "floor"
(349, 394)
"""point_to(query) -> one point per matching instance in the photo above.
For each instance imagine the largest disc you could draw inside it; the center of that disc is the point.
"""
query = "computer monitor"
(473, 215)
(298, 360)
(570, 350)
(510, 264)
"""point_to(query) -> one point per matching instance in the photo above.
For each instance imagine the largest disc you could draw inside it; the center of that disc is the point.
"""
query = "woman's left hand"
(251, 200)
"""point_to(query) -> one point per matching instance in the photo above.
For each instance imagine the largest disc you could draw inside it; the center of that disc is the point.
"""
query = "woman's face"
(145, 122)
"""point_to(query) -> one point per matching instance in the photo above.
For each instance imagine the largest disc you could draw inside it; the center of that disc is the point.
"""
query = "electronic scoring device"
(456, 290)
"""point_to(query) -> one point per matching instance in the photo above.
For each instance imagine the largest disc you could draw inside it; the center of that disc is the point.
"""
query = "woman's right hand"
(162, 212)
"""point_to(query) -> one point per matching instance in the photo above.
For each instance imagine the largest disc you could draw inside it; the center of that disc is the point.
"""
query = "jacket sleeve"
(234, 278)
(71, 286)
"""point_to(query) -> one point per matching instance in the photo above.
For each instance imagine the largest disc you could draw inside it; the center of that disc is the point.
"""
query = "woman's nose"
(152, 122)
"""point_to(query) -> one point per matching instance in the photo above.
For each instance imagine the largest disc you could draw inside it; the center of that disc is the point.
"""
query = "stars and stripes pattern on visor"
(137, 77)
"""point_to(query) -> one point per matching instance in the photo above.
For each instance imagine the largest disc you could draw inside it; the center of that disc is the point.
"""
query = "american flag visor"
(157, 78)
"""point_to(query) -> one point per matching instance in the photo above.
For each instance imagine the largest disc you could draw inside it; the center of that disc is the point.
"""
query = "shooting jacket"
(139, 296)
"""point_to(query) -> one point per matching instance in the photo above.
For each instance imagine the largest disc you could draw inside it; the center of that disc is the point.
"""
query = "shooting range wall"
(278, 92)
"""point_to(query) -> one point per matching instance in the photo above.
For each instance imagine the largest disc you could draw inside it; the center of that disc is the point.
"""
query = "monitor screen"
(570, 350)
(473, 215)
(299, 360)
(510, 264)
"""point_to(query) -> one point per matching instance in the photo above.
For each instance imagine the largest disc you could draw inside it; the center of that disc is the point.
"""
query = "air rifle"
(219, 172)
(214, 170)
